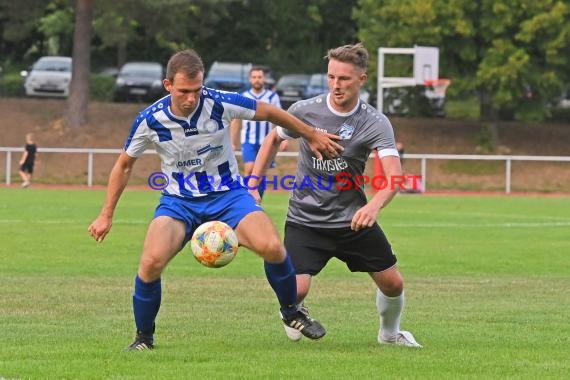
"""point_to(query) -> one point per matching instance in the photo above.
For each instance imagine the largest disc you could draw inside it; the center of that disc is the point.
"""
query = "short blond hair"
(355, 54)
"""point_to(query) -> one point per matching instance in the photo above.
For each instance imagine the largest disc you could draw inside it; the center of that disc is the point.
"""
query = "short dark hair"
(355, 54)
(185, 61)
(256, 68)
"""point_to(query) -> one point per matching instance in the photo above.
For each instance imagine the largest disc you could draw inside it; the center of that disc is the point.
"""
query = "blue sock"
(261, 190)
(146, 302)
(282, 279)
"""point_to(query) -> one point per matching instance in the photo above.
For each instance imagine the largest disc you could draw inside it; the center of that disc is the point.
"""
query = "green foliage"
(101, 87)
(466, 108)
(497, 47)
(484, 140)
(11, 85)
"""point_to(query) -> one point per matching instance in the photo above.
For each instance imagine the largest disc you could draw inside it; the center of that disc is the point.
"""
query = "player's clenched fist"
(100, 228)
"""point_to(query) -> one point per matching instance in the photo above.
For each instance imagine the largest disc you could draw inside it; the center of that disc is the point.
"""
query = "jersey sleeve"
(139, 138)
(235, 105)
(275, 100)
(286, 134)
(383, 139)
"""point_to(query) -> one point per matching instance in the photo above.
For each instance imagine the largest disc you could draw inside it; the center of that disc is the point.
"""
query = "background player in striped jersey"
(251, 133)
(326, 223)
(189, 129)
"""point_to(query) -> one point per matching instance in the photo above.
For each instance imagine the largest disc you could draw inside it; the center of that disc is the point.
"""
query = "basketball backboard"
(425, 68)
(426, 64)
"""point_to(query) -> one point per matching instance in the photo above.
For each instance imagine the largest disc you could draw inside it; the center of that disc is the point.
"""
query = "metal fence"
(508, 160)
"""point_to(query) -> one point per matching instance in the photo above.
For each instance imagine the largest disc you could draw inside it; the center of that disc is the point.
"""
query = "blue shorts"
(227, 206)
(249, 152)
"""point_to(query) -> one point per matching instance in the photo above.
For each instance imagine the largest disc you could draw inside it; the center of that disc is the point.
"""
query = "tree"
(498, 48)
(76, 109)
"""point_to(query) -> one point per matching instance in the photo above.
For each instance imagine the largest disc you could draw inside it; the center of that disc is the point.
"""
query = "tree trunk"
(121, 53)
(76, 109)
(489, 114)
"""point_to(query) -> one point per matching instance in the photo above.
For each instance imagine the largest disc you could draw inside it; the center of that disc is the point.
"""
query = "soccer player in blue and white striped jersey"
(253, 132)
(189, 128)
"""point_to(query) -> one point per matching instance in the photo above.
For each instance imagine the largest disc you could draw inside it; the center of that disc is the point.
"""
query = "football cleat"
(304, 324)
(403, 338)
(294, 334)
(143, 341)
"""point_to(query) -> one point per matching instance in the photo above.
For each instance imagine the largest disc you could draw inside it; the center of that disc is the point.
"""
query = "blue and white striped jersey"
(253, 132)
(196, 152)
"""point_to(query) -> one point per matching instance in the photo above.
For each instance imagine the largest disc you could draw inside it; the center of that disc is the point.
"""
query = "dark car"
(228, 76)
(318, 84)
(292, 88)
(140, 81)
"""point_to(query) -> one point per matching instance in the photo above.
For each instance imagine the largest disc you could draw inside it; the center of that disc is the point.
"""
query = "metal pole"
(90, 169)
(424, 172)
(8, 167)
(380, 82)
(508, 176)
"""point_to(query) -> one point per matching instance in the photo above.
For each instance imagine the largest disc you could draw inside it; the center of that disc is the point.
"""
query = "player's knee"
(150, 268)
(394, 287)
(391, 283)
(272, 250)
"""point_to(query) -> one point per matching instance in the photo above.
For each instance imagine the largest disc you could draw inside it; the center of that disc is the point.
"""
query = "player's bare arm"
(235, 128)
(267, 152)
(24, 156)
(367, 215)
(321, 144)
(118, 180)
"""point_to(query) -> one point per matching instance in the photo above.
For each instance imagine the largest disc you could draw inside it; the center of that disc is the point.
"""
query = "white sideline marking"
(68, 222)
(481, 225)
(535, 224)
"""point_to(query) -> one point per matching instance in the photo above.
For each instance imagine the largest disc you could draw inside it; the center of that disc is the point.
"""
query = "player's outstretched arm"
(321, 143)
(265, 156)
(118, 180)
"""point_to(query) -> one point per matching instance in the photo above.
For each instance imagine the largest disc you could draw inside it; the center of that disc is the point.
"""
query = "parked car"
(292, 88)
(48, 76)
(318, 84)
(228, 76)
(140, 81)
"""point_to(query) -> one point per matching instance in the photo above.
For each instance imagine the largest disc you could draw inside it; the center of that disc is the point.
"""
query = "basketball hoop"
(439, 86)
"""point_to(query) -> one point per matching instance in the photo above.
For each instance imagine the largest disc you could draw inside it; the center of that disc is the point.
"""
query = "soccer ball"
(214, 244)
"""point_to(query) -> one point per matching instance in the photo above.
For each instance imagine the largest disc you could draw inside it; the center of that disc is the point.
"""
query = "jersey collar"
(343, 114)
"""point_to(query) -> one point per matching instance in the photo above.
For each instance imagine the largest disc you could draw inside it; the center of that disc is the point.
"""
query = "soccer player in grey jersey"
(329, 214)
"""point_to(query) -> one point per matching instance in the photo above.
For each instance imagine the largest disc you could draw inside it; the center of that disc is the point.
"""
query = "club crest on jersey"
(346, 131)
(209, 126)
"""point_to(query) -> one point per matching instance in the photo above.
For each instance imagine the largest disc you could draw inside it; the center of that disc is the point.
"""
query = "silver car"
(49, 76)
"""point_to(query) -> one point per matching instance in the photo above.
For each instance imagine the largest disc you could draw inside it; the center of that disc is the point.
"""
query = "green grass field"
(487, 287)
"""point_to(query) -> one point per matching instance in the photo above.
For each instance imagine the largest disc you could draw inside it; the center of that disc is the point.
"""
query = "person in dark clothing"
(28, 160)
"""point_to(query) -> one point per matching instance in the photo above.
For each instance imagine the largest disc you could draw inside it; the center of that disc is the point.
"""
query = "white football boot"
(403, 338)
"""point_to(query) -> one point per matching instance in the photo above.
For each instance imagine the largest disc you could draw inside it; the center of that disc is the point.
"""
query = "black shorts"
(27, 167)
(311, 248)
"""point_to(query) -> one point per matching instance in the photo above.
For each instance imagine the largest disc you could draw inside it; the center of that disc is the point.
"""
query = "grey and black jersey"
(320, 197)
